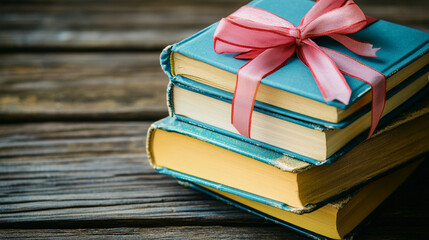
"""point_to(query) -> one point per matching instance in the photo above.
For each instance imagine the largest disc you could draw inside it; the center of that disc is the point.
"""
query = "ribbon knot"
(269, 41)
(298, 37)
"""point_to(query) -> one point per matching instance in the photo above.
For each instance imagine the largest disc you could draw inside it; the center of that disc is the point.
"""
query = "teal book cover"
(396, 52)
(198, 88)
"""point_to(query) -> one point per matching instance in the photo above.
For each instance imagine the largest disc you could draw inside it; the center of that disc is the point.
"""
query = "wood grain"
(172, 232)
(91, 171)
(132, 24)
(188, 232)
(73, 86)
(58, 178)
(126, 24)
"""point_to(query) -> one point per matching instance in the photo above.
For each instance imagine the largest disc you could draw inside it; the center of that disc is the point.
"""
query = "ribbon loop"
(346, 19)
(269, 41)
(264, 17)
(231, 32)
(319, 8)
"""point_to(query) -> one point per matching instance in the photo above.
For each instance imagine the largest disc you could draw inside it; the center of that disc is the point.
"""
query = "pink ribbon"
(269, 41)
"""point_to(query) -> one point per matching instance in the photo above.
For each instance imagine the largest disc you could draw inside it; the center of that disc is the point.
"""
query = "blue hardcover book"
(260, 173)
(339, 219)
(290, 112)
(303, 140)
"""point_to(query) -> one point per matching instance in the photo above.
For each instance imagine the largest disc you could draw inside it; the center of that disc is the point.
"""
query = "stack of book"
(308, 164)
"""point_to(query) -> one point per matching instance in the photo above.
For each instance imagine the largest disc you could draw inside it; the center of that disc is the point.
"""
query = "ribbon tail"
(374, 78)
(358, 47)
(248, 80)
(329, 79)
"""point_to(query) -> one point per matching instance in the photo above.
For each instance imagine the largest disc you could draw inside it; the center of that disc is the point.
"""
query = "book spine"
(167, 65)
(166, 61)
(170, 102)
(149, 142)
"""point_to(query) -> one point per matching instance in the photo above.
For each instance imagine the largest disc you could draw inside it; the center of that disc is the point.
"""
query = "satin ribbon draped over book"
(269, 41)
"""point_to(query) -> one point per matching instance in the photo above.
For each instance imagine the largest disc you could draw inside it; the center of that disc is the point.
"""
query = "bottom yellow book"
(334, 220)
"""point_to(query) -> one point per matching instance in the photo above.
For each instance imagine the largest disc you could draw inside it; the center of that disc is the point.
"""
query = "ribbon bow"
(269, 41)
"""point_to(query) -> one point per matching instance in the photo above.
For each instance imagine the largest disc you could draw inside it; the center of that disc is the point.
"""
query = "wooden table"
(80, 83)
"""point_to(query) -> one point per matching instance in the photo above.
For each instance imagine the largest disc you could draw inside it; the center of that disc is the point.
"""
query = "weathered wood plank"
(112, 24)
(179, 232)
(75, 86)
(91, 172)
(96, 176)
(134, 24)
(188, 232)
